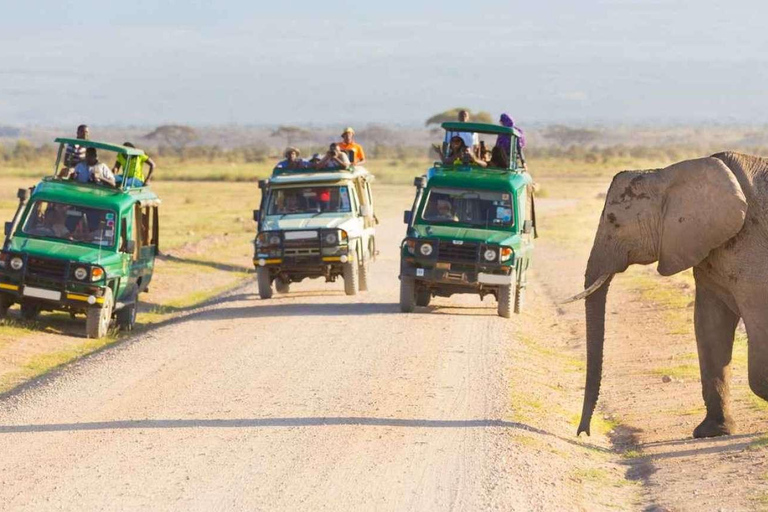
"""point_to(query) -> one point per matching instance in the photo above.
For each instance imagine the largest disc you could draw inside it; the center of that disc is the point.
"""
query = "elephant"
(707, 213)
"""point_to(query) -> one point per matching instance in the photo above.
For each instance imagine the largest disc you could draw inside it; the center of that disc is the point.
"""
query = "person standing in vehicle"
(505, 141)
(292, 160)
(471, 140)
(91, 170)
(335, 158)
(134, 174)
(349, 144)
(75, 153)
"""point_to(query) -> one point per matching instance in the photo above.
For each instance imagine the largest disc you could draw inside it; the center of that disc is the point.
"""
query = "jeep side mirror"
(420, 182)
(23, 194)
(527, 227)
(407, 216)
(130, 246)
(263, 184)
(8, 228)
(256, 215)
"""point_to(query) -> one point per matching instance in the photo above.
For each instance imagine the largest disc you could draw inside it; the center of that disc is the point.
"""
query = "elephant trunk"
(595, 315)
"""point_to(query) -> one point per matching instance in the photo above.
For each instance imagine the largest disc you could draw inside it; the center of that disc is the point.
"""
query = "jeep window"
(480, 208)
(70, 222)
(331, 199)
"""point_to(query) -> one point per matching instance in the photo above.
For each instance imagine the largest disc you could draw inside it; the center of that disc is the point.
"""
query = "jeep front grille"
(47, 268)
(453, 253)
(309, 243)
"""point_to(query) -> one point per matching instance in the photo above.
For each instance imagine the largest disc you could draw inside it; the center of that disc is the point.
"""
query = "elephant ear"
(704, 207)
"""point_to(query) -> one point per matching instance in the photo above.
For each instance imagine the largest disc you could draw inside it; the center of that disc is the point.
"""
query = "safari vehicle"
(470, 230)
(315, 223)
(81, 248)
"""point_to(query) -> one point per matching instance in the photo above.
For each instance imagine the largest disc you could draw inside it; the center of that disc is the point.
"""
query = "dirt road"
(318, 401)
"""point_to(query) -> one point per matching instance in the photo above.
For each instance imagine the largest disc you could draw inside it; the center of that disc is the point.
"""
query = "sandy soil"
(315, 400)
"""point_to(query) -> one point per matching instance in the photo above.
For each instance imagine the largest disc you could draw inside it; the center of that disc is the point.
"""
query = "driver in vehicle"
(55, 220)
(445, 211)
(290, 205)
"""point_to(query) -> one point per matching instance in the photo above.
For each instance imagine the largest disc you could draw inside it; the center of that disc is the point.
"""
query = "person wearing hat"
(349, 144)
(292, 160)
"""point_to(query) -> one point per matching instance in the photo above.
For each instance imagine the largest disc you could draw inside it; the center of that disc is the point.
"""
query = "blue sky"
(334, 62)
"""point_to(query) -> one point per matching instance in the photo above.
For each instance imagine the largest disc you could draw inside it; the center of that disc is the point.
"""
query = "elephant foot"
(714, 428)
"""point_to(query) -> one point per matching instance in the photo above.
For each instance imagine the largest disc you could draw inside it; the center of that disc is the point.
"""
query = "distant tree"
(291, 134)
(567, 136)
(453, 114)
(174, 135)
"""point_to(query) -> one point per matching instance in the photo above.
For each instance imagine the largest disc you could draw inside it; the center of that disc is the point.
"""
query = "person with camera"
(335, 158)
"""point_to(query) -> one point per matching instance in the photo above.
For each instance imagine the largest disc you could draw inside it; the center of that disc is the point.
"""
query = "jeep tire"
(504, 296)
(519, 299)
(407, 294)
(264, 283)
(29, 311)
(350, 274)
(282, 286)
(97, 319)
(126, 317)
(5, 303)
(362, 276)
(423, 297)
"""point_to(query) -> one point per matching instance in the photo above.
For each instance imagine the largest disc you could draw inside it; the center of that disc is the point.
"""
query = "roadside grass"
(43, 363)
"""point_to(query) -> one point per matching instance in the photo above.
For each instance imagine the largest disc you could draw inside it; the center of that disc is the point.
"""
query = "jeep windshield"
(70, 222)
(478, 208)
(320, 199)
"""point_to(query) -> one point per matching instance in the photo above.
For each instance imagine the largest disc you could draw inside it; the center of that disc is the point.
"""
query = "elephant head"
(675, 216)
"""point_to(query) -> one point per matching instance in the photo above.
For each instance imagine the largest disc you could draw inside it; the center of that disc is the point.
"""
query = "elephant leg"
(715, 328)
(757, 332)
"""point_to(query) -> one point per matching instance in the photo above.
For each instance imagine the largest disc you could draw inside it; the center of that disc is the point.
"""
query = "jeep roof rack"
(493, 129)
(311, 174)
(129, 152)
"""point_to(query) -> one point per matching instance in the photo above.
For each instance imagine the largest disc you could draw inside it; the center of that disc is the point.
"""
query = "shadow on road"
(262, 310)
(284, 422)
(203, 263)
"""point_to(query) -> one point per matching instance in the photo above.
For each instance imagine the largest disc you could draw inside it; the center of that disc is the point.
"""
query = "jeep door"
(146, 233)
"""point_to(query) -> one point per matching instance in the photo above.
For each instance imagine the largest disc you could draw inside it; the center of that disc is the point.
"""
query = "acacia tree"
(174, 135)
(453, 115)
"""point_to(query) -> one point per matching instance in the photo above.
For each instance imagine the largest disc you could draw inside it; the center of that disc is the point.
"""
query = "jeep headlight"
(97, 274)
(17, 263)
(489, 255)
(426, 249)
(331, 238)
(268, 239)
(81, 273)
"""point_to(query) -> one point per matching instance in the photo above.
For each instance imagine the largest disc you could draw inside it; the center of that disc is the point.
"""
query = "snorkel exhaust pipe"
(23, 196)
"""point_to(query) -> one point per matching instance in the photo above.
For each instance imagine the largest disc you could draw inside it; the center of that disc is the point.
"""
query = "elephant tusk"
(589, 291)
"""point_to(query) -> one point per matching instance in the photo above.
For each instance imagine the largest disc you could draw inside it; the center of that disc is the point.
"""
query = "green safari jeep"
(470, 229)
(80, 247)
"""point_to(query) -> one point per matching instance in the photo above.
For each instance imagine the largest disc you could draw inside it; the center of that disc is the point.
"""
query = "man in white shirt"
(471, 140)
(91, 170)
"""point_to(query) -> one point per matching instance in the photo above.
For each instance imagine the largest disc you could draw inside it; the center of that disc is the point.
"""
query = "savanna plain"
(318, 401)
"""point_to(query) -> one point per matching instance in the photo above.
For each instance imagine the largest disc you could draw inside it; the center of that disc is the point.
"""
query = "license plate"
(299, 235)
(41, 293)
(419, 272)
